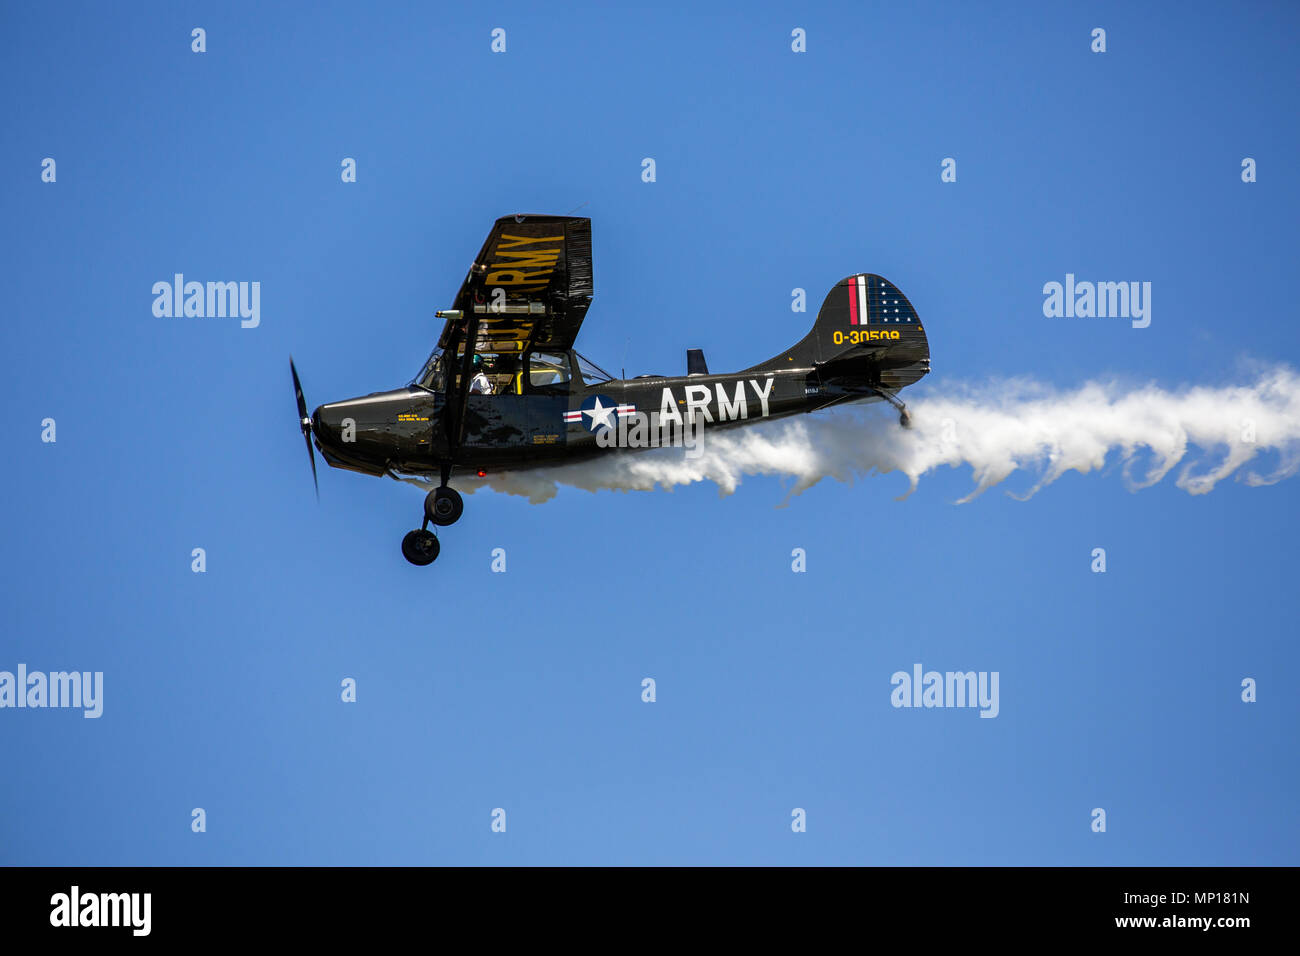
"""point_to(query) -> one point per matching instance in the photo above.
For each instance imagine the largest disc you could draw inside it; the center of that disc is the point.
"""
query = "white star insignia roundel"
(599, 411)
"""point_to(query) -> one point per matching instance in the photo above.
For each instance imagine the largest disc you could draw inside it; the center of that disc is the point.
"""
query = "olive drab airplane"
(504, 389)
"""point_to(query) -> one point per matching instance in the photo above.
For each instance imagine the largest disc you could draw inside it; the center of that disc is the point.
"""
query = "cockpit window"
(546, 369)
(500, 370)
(592, 374)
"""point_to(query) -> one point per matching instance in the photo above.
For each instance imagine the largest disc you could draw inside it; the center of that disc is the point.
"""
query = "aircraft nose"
(325, 424)
(361, 433)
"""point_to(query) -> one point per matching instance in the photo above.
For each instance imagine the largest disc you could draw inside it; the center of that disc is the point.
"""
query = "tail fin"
(866, 329)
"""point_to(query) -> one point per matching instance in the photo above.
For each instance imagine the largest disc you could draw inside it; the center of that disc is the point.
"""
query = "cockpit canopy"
(431, 376)
(548, 372)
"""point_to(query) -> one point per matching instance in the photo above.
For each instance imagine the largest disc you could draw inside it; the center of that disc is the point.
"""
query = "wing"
(530, 285)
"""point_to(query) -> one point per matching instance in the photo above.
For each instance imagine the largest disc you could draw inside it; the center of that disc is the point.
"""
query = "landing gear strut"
(442, 506)
(904, 416)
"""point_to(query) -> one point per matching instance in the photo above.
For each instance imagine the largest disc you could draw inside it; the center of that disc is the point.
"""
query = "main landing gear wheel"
(443, 506)
(420, 547)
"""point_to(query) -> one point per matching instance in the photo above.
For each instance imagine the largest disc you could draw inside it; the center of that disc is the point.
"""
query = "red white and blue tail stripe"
(858, 300)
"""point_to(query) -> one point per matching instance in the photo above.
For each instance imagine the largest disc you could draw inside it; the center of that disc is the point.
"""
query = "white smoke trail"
(997, 430)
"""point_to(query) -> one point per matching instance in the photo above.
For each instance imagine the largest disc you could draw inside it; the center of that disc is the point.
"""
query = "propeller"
(304, 422)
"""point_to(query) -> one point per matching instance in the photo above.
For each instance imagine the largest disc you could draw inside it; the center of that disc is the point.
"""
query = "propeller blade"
(312, 455)
(304, 422)
(297, 391)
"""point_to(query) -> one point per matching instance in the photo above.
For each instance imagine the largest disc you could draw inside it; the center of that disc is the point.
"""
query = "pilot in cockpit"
(479, 384)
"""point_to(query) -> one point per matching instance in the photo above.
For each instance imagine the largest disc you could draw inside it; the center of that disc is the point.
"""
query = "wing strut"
(457, 396)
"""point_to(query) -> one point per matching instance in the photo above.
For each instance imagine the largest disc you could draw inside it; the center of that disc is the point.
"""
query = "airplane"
(521, 397)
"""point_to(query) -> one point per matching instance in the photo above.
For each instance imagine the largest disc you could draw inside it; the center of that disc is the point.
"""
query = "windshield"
(430, 376)
(592, 374)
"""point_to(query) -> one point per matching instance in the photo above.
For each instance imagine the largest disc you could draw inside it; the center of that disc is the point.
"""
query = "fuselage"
(405, 430)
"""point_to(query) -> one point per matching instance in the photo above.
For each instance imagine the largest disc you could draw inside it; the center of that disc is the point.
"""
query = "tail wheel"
(443, 506)
(420, 547)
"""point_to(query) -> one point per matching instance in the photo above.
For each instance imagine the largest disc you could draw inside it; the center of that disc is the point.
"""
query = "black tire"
(443, 506)
(420, 547)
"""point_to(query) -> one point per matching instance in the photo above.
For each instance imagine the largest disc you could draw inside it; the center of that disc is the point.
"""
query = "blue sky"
(522, 690)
